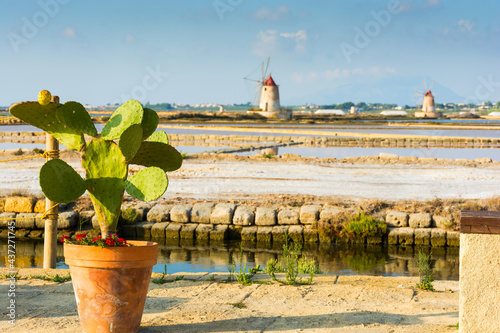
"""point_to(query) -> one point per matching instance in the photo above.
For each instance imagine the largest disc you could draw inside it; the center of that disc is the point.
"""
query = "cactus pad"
(44, 117)
(148, 184)
(158, 154)
(106, 171)
(159, 136)
(75, 116)
(127, 114)
(60, 182)
(130, 141)
(149, 122)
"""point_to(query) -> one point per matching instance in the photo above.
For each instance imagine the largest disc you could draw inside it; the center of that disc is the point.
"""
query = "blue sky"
(99, 52)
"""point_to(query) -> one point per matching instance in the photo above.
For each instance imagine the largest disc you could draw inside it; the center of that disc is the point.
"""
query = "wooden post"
(50, 239)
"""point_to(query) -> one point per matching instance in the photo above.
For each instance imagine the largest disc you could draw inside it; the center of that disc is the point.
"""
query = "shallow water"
(195, 129)
(323, 152)
(189, 256)
(345, 152)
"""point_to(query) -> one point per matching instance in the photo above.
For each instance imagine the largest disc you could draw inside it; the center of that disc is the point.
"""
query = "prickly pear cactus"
(128, 137)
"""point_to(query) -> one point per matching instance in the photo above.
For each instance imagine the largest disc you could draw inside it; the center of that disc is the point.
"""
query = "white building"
(330, 111)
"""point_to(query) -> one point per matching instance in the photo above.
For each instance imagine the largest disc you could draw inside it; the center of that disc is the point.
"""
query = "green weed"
(38, 151)
(53, 278)
(242, 276)
(18, 152)
(81, 222)
(239, 305)
(363, 225)
(425, 272)
(231, 267)
(9, 276)
(291, 265)
(129, 215)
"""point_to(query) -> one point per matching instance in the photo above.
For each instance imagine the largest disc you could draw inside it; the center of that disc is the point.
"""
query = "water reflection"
(187, 255)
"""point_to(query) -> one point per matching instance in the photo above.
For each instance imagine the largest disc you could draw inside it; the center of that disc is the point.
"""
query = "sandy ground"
(216, 178)
(198, 304)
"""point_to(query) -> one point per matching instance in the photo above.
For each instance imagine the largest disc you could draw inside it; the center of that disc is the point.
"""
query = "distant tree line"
(361, 105)
(159, 106)
(243, 105)
(379, 106)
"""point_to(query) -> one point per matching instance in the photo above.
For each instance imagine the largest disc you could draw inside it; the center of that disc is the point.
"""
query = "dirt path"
(198, 304)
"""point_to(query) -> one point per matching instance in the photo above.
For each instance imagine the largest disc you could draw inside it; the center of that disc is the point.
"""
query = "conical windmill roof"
(270, 81)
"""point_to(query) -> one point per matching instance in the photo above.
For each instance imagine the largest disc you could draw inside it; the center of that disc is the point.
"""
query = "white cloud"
(312, 76)
(69, 32)
(300, 40)
(433, 3)
(462, 28)
(130, 38)
(268, 14)
(270, 40)
(390, 70)
(266, 42)
(406, 6)
(466, 25)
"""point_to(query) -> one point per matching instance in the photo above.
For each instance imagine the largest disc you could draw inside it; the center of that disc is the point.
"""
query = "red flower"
(110, 241)
(80, 237)
(96, 239)
(64, 238)
(122, 241)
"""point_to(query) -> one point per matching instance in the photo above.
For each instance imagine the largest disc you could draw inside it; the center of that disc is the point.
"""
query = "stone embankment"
(210, 140)
(209, 221)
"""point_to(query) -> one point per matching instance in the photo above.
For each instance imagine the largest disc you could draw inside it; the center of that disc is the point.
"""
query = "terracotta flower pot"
(111, 284)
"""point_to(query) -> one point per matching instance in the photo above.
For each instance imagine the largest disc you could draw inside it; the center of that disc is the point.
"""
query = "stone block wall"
(219, 221)
(216, 140)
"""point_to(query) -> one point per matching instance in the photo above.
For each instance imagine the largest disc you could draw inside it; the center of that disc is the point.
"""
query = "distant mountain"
(399, 91)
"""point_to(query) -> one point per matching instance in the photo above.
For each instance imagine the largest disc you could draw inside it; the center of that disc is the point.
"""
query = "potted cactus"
(110, 283)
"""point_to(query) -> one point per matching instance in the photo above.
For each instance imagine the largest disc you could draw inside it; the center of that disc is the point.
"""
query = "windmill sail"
(258, 84)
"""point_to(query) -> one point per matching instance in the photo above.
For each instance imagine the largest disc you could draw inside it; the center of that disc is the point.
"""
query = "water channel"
(192, 256)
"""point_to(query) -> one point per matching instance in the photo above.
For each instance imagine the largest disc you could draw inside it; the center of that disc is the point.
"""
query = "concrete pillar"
(479, 272)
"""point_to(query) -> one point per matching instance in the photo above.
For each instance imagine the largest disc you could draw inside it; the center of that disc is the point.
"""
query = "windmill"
(427, 102)
(427, 99)
(266, 91)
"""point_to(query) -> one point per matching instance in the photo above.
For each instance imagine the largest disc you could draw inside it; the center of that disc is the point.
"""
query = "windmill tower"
(268, 97)
(428, 107)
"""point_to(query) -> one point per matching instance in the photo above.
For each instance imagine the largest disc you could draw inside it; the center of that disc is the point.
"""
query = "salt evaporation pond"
(320, 152)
